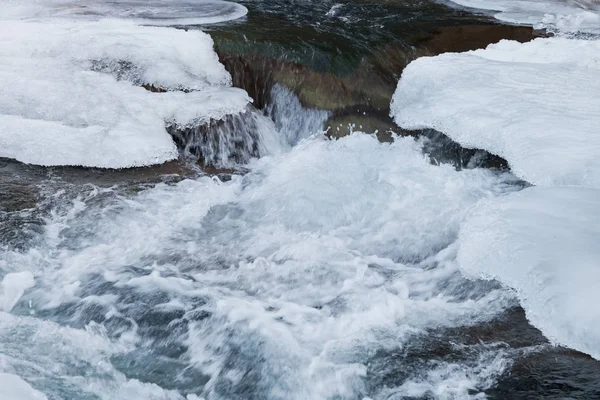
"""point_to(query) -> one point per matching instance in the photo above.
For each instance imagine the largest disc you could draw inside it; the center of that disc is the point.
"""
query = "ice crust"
(535, 104)
(567, 16)
(70, 91)
(150, 12)
(545, 244)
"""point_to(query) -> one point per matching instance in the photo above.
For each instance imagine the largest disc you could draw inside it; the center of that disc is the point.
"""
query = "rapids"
(265, 261)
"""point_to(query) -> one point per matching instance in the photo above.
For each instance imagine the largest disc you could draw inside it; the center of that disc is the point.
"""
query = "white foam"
(70, 95)
(14, 285)
(13, 387)
(305, 277)
(561, 15)
(543, 243)
(535, 104)
(151, 12)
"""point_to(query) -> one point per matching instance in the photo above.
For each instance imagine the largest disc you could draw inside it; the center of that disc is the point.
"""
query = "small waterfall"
(229, 142)
(293, 121)
(236, 139)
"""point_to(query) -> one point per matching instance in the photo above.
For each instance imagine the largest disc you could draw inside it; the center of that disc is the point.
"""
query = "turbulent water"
(287, 282)
(291, 267)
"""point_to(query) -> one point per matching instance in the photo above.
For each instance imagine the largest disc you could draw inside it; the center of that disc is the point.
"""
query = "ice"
(561, 15)
(543, 243)
(535, 104)
(13, 286)
(284, 282)
(14, 388)
(70, 91)
(151, 12)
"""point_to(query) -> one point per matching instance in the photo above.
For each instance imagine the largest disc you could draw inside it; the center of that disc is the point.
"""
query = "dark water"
(335, 40)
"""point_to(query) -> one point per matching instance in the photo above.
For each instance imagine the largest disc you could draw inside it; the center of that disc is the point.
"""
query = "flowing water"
(295, 267)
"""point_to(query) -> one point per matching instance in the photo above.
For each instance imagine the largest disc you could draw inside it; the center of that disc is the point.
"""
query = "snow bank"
(543, 243)
(535, 104)
(561, 15)
(70, 91)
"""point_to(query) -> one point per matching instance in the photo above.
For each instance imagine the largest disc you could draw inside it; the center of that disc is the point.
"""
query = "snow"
(559, 15)
(544, 244)
(535, 104)
(13, 387)
(14, 285)
(150, 12)
(70, 95)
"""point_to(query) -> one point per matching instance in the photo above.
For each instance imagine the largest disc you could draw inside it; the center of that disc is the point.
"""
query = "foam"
(560, 15)
(298, 274)
(70, 91)
(543, 243)
(150, 12)
(535, 104)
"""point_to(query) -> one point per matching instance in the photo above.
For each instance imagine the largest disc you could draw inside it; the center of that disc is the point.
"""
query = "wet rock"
(252, 73)
(456, 39)
(551, 373)
(341, 126)
(371, 85)
(153, 88)
(442, 149)
(360, 93)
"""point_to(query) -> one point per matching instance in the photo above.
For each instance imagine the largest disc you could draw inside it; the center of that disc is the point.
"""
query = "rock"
(361, 93)
(456, 39)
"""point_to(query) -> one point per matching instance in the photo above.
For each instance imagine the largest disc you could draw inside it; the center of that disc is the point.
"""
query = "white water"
(283, 283)
(291, 119)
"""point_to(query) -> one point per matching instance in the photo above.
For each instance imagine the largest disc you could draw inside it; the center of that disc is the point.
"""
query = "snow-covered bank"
(70, 89)
(556, 15)
(544, 243)
(535, 104)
